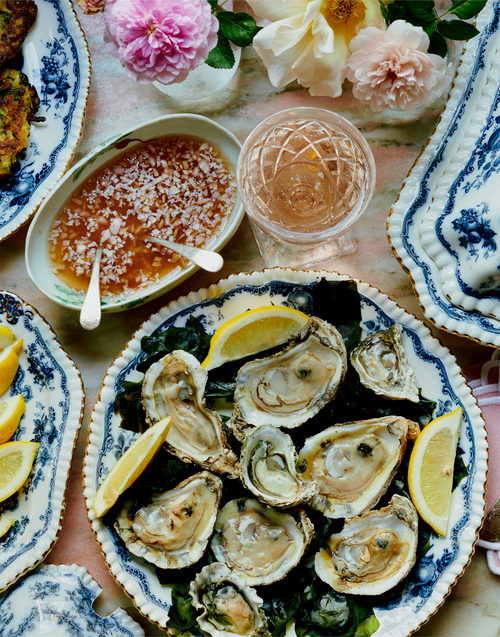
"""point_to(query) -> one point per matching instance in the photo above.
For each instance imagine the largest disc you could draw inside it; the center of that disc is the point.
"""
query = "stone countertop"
(117, 103)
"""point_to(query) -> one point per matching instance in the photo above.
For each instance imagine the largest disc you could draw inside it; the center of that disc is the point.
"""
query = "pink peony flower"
(160, 39)
(392, 68)
(92, 6)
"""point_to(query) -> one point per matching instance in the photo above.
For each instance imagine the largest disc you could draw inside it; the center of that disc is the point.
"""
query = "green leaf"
(466, 9)
(221, 56)
(383, 11)
(438, 45)
(239, 28)
(128, 403)
(456, 30)
(213, 4)
(423, 10)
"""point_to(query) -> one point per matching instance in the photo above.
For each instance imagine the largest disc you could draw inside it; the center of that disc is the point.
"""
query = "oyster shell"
(174, 386)
(268, 468)
(381, 363)
(290, 387)
(172, 528)
(373, 552)
(353, 463)
(229, 607)
(259, 543)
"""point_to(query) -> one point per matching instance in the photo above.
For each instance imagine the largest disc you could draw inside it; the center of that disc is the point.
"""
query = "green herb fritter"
(18, 104)
(16, 19)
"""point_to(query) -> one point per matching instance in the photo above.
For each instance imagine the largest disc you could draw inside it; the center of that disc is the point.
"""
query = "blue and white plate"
(57, 601)
(437, 374)
(53, 391)
(56, 60)
(442, 219)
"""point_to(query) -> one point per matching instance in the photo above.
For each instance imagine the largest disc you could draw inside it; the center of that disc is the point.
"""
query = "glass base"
(204, 81)
(291, 255)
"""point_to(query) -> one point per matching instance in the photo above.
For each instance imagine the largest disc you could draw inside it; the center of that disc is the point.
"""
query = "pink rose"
(160, 39)
(392, 68)
(91, 6)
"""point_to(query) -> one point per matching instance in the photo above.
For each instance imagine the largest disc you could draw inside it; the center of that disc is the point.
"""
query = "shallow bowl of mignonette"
(40, 264)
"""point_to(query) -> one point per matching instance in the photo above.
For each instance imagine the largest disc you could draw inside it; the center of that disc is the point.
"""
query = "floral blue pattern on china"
(461, 157)
(56, 61)
(53, 393)
(419, 595)
(57, 601)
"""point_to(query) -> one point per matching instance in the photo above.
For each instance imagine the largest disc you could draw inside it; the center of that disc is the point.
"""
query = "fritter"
(18, 104)
(16, 19)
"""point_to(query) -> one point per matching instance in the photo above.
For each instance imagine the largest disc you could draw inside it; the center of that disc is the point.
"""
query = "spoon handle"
(211, 261)
(90, 314)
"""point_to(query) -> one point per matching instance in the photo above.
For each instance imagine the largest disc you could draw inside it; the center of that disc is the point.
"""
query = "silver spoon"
(205, 259)
(90, 314)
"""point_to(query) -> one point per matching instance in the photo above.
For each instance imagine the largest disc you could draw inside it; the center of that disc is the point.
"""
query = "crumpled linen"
(484, 380)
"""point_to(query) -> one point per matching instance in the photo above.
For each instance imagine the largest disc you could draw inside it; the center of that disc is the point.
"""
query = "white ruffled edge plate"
(53, 391)
(53, 597)
(437, 373)
(52, 143)
(427, 179)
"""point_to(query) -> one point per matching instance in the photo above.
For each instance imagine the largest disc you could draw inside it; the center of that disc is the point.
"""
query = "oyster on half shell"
(373, 552)
(268, 468)
(288, 388)
(353, 463)
(171, 529)
(381, 363)
(229, 607)
(174, 386)
(259, 543)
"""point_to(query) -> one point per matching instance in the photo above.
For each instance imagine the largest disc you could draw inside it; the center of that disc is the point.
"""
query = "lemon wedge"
(6, 337)
(11, 410)
(252, 332)
(16, 462)
(130, 466)
(6, 521)
(430, 472)
(9, 362)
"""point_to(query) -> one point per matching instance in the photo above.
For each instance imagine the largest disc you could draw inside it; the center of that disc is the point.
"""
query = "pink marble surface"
(117, 103)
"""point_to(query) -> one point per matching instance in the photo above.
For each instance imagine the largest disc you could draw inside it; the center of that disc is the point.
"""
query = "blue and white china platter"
(437, 374)
(57, 601)
(53, 391)
(440, 228)
(56, 59)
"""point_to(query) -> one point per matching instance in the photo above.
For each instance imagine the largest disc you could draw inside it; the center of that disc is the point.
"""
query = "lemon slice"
(252, 332)
(430, 472)
(6, 337)
(130, 466)
(16, 461)
(9, 362)
(6, 521)
(11, 410)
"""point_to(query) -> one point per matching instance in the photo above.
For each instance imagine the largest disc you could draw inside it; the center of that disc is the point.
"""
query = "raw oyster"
(373, 552)
(229, 607)
(174, 386)
(172, 528)
(353, 463)
(259, 543)
(381, 363)
(268, 468)
(288, 388)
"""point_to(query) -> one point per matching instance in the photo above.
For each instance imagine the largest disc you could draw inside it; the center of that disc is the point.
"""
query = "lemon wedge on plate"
(9, 362)
(16, 462)
(130, 466)
(253, 332)
(11, 410)
(430, 472)
(6, 521)
(6, 337)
